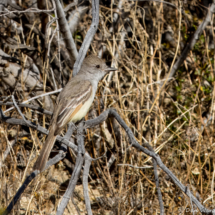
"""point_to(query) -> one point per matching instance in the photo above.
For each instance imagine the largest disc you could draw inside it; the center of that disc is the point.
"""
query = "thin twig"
(33, 107)
(36, 97)
(20, 112)
(136, 167)
(53, 78)
(32, 10)
(69, 6)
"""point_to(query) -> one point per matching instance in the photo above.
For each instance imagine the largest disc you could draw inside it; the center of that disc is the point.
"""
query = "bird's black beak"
(110, 69)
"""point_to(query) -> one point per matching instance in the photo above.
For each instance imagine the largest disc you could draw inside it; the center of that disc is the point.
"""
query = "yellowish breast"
(84, 109)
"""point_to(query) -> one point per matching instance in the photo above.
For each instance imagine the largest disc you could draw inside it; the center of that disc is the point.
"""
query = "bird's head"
(92, 65)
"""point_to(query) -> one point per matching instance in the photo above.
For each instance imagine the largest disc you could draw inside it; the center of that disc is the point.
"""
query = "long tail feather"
(45, 152)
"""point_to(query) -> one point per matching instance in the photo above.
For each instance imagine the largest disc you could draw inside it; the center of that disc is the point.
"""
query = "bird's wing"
(70, 101)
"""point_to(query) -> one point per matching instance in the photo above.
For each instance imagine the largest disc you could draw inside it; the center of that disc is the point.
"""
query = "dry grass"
(172, 120)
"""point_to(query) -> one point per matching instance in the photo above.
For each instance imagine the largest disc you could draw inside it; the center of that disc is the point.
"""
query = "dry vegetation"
(143, 40)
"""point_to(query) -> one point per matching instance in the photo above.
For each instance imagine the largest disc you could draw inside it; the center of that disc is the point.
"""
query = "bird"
(73, 102)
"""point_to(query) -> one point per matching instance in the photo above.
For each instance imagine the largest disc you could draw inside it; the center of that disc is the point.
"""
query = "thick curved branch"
(156, 157)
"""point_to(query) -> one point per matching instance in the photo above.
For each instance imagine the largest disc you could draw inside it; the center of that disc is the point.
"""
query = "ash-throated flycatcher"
(73, 102)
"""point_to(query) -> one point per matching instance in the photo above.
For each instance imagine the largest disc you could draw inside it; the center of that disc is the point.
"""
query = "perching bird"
(73, 102)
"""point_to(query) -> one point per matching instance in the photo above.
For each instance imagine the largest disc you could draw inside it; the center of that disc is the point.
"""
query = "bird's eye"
(97, 66)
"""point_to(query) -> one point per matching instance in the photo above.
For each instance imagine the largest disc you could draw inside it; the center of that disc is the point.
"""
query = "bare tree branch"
(110, 112)
(36, 97)
(76, 172)
(64, 28)
(87, 163)
(20, 112)
(88, 38)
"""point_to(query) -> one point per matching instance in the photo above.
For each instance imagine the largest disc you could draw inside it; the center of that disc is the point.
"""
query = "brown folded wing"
(70, 102)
